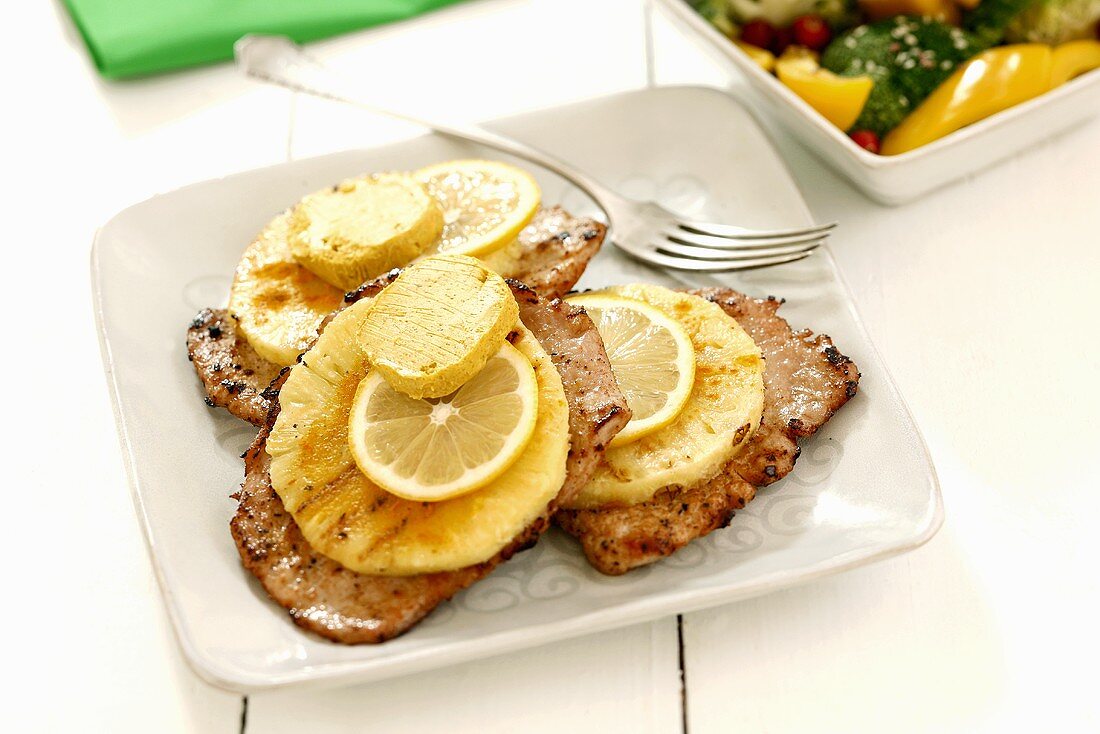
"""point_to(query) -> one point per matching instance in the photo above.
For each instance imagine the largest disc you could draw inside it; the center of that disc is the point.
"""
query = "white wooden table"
(984, 299)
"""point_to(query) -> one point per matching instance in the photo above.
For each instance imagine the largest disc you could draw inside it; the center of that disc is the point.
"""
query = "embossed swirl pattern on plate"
(556, 569)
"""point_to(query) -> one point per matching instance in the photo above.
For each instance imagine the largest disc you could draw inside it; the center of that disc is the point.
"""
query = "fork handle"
(278, 60)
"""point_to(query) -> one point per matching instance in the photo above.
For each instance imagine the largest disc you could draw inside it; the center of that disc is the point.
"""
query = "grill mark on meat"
(348, 607)
(806, 380)
(556, 249)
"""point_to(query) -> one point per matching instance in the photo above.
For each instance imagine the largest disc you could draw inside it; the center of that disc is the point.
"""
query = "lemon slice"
(434, 449)
(651, 356)
(485, 203)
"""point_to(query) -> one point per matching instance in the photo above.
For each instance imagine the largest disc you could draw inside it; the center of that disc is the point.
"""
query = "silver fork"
(643, 229)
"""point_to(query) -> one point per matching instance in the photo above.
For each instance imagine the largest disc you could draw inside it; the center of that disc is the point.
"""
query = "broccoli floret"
(884, 110)
(1054, 21)
(717, 12)
(989, 20)
(780, 13)
(906, 56)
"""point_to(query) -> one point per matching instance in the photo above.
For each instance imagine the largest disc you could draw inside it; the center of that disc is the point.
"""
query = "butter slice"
(437, 325)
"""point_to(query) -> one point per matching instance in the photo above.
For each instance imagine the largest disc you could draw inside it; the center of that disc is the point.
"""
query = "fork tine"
(724, 243)
(733, 254)
(736, 233)
(711, 266)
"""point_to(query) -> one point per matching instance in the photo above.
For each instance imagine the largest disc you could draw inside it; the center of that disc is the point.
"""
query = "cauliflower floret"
(1054, 21)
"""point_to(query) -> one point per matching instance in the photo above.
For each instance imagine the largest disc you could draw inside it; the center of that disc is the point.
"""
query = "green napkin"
(134, 37)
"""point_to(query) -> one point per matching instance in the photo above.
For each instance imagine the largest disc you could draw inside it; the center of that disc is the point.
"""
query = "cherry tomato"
(866, 140)
(758, 33)
(783, 39)
(811, 31)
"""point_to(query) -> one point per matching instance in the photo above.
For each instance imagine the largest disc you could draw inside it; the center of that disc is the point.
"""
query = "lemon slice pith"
(651, 357)
(485, 203)
(434, 449)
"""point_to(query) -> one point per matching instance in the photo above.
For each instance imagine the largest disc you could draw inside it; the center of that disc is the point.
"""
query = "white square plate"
(864, 488)
(895, 179)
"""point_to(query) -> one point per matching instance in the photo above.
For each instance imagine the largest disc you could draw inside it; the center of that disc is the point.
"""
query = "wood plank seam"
(683, 673)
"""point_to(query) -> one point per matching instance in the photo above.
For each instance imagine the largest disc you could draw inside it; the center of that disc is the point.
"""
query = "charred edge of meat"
(232, 374)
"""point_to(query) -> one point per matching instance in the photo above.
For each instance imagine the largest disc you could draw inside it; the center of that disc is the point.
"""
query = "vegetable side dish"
(899, 74)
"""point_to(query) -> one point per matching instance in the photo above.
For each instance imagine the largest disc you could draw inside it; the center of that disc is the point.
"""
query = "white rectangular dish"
(900, 178)
(864, 488)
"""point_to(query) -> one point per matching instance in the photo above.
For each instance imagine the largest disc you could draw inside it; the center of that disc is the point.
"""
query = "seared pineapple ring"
(350, 519)
(722, 412)
(277, 303)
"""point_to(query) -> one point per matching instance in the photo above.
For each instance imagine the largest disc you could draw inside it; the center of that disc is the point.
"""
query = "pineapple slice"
(277, 303)
(721, 413)
(350, 519)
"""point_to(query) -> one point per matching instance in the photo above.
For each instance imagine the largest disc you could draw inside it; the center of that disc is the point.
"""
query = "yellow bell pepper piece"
(762, 56)
(944, 10)
(839, 99)
(990, 82)
(1073, 59)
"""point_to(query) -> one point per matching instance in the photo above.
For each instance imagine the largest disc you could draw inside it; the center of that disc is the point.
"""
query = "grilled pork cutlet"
(806, 380)
(555, 248)
(349, 607)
